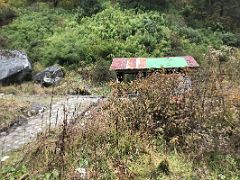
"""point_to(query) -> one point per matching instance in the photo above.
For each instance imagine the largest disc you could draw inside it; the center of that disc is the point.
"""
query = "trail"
(70, 107)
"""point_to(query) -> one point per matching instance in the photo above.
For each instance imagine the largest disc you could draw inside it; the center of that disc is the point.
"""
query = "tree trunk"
(222, 9)
(55, 3)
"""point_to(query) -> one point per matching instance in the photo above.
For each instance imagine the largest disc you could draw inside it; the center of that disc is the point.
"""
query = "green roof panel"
(168, 62)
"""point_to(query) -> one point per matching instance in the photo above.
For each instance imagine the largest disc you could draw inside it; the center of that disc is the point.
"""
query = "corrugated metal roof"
(119, 64)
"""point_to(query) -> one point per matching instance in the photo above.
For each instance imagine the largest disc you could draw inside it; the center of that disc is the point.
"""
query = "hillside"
(164, 131)
(69, 37)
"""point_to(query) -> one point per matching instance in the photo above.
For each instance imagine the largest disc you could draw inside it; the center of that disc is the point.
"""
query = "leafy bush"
(88, 7)
(30, 30)
(231, 39)
(192, 34)
(13, 173)
(124, 34)
(110, 33)
(68, 38)
(101, 72)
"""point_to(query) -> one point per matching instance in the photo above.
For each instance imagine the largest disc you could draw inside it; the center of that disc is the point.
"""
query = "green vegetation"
(69, 38)
(161, 134)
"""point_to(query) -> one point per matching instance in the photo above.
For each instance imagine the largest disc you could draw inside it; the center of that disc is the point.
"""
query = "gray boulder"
(14, 67)
(36, 109)
(50, 76)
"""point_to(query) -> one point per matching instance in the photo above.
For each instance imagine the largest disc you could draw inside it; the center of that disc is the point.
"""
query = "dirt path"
(17, 137)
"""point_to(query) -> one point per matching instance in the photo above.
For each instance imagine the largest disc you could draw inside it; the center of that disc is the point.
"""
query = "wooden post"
(120, 76)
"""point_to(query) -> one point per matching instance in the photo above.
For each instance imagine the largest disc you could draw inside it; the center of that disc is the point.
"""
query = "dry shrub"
(201, 118)
(197, 121)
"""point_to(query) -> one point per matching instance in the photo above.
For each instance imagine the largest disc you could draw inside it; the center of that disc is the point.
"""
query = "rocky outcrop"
(15, 67)
(50, 76)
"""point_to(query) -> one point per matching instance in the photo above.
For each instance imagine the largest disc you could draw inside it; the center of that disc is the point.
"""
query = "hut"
(135, 66)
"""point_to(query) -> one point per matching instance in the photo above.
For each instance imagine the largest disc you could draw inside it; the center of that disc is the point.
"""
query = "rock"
(20, 120)
(14, 67)
(82, 172)
(3, 133)
(36, 109)
(50, 76)
(87, 113)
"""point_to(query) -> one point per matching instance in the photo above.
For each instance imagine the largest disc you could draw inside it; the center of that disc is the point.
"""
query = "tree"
(55, 3)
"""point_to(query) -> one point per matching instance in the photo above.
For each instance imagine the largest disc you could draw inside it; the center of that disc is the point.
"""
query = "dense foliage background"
(83, 32)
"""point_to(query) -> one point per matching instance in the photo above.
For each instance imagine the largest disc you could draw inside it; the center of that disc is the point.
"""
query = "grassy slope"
(15, 104)
(10, 110)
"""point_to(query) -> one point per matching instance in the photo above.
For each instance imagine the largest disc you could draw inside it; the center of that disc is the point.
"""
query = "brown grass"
(10, 109)
(71, 84)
